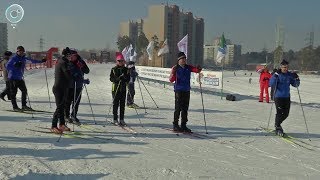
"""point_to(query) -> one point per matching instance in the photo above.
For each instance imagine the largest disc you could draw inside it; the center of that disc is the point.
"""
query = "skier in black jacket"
(120, 77)
(6, 91)
(78, 68)
(60, 90)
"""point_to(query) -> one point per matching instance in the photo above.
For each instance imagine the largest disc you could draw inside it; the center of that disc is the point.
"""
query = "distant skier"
(180, 75)
(264, 83)
(15, 68)
(77, 67)
(131, 91)
(234, 73)
(119, 76)
(6, 91)
(250, 79)
(62, 80)
(282, 80)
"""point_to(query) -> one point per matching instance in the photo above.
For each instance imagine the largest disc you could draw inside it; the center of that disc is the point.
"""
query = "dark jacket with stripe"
(119, 85)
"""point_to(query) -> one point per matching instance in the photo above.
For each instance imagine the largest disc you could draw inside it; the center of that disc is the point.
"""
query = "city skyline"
(87, 24)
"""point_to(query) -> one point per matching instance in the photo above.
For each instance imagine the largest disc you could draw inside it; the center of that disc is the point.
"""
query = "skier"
(180, 75)
(264, 83)
(250, 80)
(131, 91)
(6, 91)
(281, 80)
(15, 68)
(78, 68)
(119, 76)
(62, 79)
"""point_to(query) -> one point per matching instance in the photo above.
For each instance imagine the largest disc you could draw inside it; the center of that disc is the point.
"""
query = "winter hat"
(181, 55)
(20, 48)
(8, 53)
(284, 62)
(119, 56)
(131, 62)
(66, 51)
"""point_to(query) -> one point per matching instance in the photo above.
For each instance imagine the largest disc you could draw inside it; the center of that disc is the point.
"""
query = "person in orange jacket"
(264, 83)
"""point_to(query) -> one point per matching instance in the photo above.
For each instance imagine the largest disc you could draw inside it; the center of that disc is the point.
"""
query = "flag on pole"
(124, 52)
(128, 54)
(164, 48)
(133, 58)
(150, 49)
(183, 45)
(222, 49)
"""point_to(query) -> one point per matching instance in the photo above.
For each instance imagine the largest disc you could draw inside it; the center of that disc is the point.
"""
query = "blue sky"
(86, 24)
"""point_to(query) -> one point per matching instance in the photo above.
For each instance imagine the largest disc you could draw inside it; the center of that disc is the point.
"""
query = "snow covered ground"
(235, 147)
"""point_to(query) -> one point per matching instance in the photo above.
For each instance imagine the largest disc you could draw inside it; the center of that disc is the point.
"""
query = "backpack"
(230, 97)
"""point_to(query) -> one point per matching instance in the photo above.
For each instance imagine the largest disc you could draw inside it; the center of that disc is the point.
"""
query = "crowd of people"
(69, 83)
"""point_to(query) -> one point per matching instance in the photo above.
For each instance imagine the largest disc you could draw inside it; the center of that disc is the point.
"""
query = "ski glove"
(44, 60)
(122, 77)
(199, 68)
(79, 64)
(174, 69)
(295, 75)
(86, 81)
(18, 64)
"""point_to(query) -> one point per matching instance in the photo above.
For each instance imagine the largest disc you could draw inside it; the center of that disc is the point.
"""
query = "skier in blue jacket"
(15, 68)
(281, 81)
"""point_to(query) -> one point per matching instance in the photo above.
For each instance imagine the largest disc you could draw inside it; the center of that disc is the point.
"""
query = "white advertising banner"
(161, 74)
(209, 79)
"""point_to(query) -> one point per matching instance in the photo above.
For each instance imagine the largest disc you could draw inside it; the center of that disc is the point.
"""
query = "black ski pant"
(283, 108)
(14, 85)
(60, 95)
(70, 101)
(6, 91)
(119, 99)
(131, 93)
(182, 99)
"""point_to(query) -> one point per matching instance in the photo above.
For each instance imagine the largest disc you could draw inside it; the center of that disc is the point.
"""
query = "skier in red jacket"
(264, 83)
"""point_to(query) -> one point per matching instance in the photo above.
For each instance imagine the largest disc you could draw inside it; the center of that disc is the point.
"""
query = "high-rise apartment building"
(168, 22)
(3, 37)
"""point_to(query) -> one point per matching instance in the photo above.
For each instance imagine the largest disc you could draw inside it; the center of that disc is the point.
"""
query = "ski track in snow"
(234, 148)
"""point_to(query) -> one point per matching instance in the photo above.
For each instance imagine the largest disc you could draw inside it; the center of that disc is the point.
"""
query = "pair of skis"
(293, 140)
(71, 134)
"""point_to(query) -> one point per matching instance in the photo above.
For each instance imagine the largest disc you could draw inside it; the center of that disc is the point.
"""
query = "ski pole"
(30, 105)
(304, 117)
(29, 101)
(204, 115)
(145, 109)
(90, 105)
(45, 72)
(113, 99)
(135, 109)
(74, 102)
(274, 95)
(149, 94)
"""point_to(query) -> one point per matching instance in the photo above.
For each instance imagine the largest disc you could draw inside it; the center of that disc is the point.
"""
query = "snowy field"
(235, 147)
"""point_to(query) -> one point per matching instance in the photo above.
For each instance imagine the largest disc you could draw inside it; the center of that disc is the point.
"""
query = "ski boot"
(279, 131)
(76, 121)
(184, 128)
(64, 128)
(115, 122)
(55, 130)
(122, 123)
(176, 127)
(17, 109)
(26, 108)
